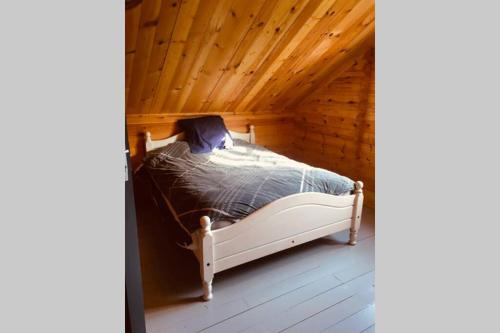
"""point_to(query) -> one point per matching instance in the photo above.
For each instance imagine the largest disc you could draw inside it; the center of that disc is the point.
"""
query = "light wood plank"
(205, 30)
(239, 19)
(363, 40)
(293, 42)
(145, 39)
(313, 70)
(268, 29)
(183, 24)
(340, 119)
(289, 71)
(162, 40)
(238, 56)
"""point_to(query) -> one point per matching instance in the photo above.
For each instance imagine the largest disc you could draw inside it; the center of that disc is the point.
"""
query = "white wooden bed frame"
(282, 224)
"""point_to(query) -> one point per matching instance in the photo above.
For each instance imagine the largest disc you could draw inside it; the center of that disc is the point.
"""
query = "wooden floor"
(321, 286)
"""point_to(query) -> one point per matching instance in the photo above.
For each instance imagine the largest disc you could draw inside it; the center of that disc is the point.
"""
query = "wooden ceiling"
(238, 56)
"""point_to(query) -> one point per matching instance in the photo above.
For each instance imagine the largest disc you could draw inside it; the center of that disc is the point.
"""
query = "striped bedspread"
(228, 185)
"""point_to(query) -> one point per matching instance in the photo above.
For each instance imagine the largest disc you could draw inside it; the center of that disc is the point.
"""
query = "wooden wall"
(255, 62)
(273, 130)
(335, 126)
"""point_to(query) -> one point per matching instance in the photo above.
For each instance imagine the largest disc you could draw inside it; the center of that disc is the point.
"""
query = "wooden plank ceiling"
(238, 56)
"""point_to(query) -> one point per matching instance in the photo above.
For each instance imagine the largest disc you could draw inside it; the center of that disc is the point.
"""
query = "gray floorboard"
(356, 322)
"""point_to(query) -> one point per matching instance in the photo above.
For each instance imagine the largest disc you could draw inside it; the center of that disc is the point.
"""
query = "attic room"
(213, 166)
(269, 226)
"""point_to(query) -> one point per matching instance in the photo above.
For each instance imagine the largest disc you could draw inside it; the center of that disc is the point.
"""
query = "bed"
(247, 202)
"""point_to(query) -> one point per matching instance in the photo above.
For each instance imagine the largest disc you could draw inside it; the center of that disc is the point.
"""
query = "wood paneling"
(294, 68)
(237, 56)
(335, 126)
(272, 131)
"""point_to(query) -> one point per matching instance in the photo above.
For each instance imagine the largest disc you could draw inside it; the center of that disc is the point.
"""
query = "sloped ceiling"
(237, 56)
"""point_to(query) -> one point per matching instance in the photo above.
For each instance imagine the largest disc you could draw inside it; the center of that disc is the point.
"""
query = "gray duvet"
(228, 185)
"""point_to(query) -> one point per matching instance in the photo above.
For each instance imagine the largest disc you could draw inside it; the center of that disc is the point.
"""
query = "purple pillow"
(204, 134)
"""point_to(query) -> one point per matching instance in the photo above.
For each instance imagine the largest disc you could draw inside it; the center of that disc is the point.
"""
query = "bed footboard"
(284, 223)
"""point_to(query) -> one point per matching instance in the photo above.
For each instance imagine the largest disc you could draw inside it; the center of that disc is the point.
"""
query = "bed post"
(207, 256)
(356, 213)
(252, 134)
(149, 142)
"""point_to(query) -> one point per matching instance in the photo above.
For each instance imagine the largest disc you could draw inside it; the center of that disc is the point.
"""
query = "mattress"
(228, 185)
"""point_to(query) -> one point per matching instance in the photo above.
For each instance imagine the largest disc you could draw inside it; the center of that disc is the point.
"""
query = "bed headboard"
(154, 144)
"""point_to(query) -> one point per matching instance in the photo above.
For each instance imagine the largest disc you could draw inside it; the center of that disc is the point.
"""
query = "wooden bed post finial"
(205, 224)
(207, 257)
(356, 212)
(252, 134)
(149, 142)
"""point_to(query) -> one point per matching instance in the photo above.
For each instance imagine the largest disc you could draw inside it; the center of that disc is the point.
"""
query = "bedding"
(204, 134)
(228, 185)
